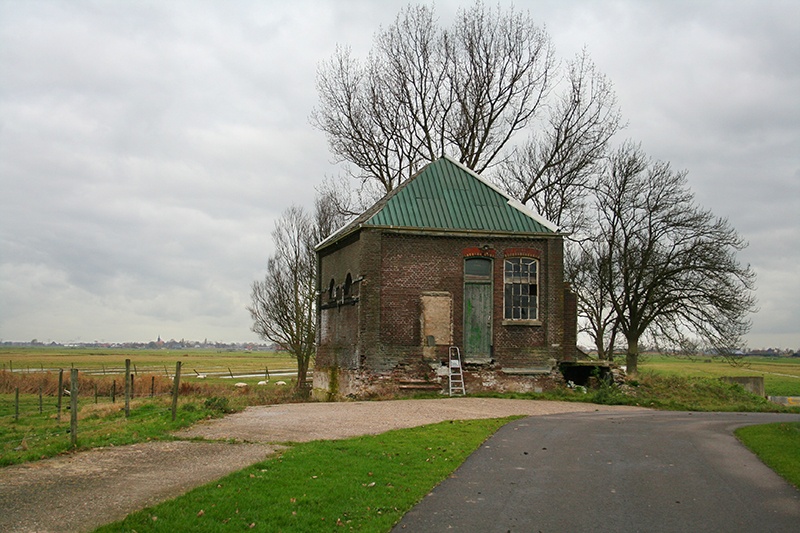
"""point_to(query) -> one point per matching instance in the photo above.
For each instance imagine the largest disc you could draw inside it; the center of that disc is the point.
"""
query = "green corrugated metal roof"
(446, 195)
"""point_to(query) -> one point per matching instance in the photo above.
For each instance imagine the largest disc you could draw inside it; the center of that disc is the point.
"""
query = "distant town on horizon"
(183, 344)
(157, 344)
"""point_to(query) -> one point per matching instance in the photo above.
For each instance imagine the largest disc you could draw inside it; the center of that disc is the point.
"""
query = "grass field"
(36, 432)
(781, 374)
(36, 436)
(363, 483)
(214, 364)
(664, 383)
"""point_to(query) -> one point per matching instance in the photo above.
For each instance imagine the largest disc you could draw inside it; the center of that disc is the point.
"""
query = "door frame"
(483, 278)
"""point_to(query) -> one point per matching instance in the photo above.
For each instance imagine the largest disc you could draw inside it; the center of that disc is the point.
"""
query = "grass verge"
(667, 392)
(778, 445)
(363, 484)
(38, 436)
(32, 430)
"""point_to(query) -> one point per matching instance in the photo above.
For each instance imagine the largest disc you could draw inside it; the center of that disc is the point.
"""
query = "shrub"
(218, 404)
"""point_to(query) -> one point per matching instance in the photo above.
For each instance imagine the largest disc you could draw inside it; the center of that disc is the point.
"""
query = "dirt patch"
(314, 421)
(82, 491)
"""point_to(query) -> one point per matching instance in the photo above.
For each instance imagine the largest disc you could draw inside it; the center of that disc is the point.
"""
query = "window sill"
(522, 322)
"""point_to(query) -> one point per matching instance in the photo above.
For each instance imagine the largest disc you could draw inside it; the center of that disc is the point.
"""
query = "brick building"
(445, 259)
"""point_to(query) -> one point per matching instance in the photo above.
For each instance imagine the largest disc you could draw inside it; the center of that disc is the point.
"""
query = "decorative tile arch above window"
(521, 291)
(522, 252)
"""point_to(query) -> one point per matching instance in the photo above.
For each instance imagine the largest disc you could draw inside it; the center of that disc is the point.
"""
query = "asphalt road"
(621, 472)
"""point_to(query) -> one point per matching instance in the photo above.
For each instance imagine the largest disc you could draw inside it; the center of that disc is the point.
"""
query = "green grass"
(778, 445)
(36, 436)
(360, 484)
(101, 422)
(781, 374)
(661, 391)
(694, 394)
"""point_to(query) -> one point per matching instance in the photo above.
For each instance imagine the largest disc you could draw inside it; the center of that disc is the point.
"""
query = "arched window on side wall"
(348, 286)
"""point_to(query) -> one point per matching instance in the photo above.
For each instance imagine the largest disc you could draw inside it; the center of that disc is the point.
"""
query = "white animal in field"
(280, 383)
(262, 382)
(241, 385)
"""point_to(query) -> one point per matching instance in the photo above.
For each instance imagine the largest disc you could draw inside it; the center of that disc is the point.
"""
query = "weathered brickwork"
(377, 332)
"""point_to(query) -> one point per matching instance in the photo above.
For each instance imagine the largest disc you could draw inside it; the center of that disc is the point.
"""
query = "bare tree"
(555, 168)
(672, 271)
(282, 305)
(425, 92)
(587, 269)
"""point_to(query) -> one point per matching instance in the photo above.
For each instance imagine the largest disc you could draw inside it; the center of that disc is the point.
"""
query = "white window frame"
(515, 275)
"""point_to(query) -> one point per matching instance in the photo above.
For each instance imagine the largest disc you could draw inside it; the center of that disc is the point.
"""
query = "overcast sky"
(146, 148)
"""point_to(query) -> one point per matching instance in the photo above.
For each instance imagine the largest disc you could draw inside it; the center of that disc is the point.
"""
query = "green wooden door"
(477, 308)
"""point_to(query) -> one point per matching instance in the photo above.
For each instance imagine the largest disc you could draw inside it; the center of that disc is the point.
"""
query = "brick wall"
(381, 330)
(412, 264)
(337, 320)
(570, 324)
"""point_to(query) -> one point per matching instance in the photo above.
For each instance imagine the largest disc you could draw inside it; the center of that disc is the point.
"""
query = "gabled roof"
(447, 196)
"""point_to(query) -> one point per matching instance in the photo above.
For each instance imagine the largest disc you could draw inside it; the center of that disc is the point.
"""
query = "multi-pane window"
(520, 283)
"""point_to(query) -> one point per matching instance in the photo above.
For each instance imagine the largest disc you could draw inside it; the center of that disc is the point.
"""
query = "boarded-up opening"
(436, 321)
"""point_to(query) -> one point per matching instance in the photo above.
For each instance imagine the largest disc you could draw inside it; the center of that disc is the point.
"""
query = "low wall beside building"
(752, 384)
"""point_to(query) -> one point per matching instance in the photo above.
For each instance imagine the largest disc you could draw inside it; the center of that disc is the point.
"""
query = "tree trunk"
(632, 356)
(601, 352)
(302, 372)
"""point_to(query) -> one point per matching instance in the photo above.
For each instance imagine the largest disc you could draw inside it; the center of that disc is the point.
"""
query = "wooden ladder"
(456, 373)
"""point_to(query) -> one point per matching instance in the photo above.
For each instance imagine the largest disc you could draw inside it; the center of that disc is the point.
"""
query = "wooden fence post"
(127, 388)
(41, 387)
(73, 403)
(60, 392)
(176, 385)
(114, 391)
(152, 385)
(16, 404)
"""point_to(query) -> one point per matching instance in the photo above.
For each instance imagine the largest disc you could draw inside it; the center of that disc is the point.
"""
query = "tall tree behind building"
(425, 91)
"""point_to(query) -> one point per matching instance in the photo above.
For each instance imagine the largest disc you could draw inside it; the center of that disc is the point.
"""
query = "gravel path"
(82, 491)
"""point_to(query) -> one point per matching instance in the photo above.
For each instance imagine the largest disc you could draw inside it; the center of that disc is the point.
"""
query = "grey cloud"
(147, 148)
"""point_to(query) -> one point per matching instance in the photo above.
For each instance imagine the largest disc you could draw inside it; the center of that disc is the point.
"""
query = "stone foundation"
(409, 379)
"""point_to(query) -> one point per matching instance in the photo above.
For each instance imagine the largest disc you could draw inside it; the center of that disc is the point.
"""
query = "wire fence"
(91, 389)
(40, 406)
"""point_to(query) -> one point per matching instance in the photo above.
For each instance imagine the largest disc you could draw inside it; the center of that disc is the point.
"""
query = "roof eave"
(464, 231)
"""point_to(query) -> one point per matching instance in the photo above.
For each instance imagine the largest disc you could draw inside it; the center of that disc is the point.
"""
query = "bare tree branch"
(425, 91)
(555, 168)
